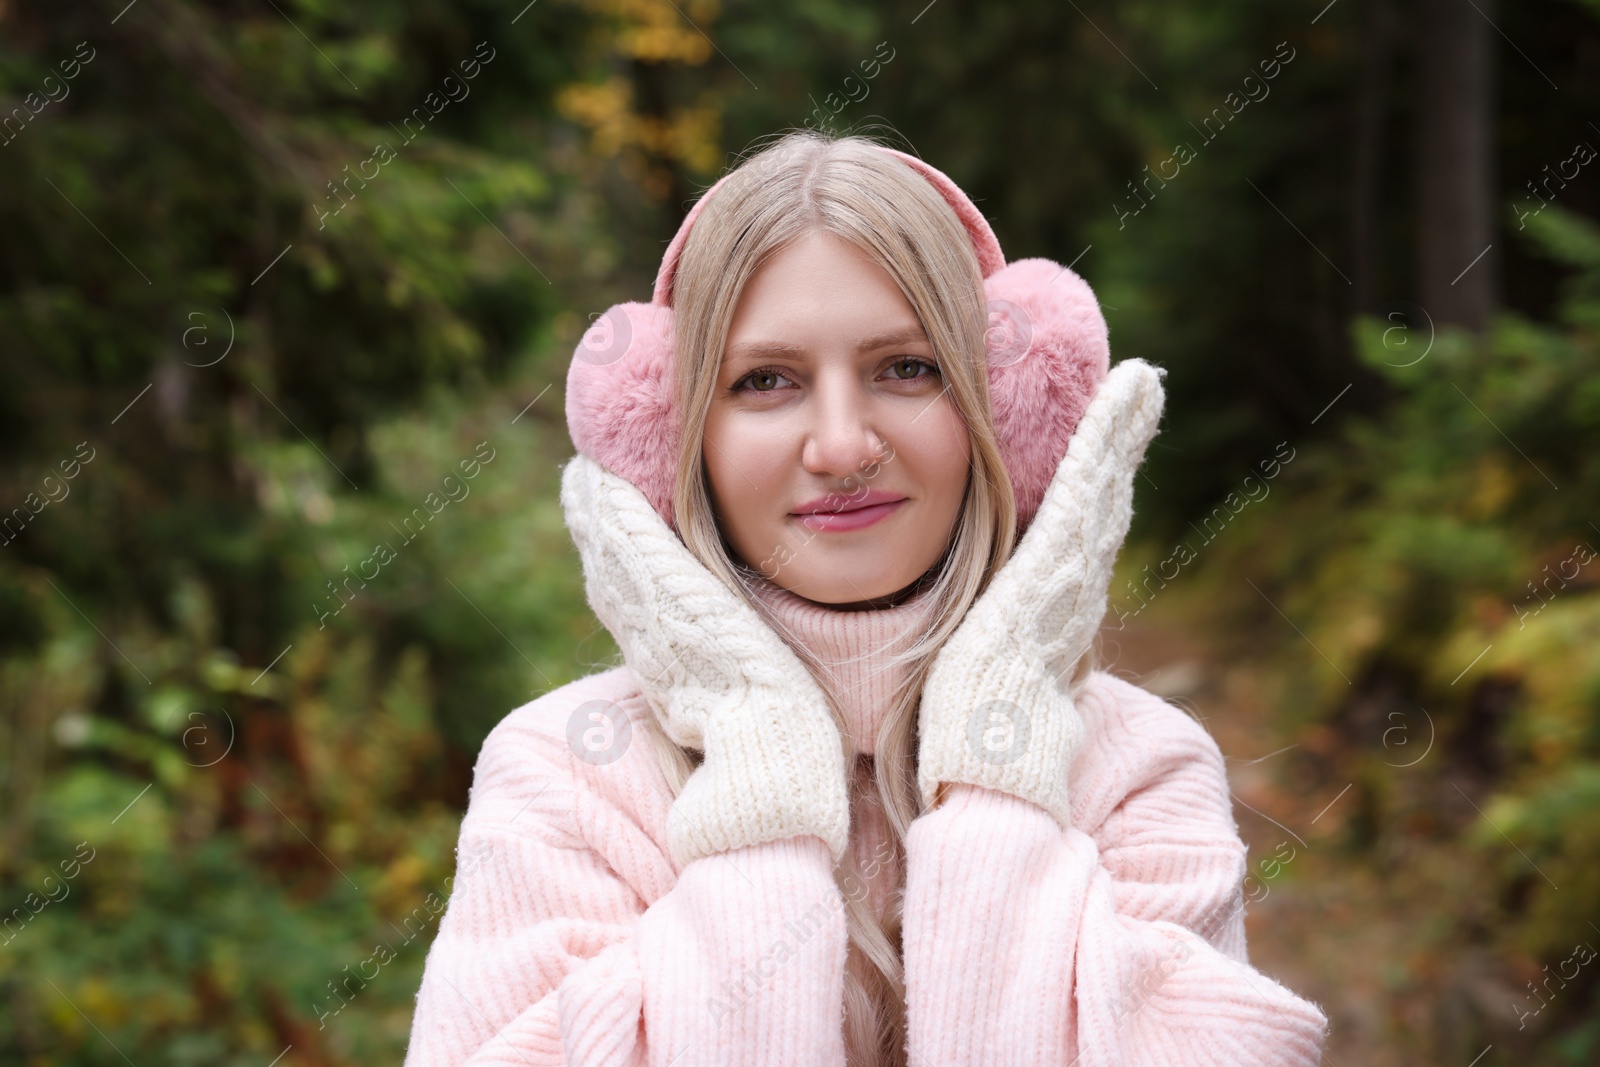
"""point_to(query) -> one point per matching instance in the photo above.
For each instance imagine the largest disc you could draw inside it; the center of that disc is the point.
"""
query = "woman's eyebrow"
(753, 350)
(905, 335)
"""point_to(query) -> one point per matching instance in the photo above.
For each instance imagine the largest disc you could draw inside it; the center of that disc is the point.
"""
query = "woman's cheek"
(945, 453)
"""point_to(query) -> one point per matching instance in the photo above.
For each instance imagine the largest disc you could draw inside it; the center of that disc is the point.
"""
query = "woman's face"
(837, 462)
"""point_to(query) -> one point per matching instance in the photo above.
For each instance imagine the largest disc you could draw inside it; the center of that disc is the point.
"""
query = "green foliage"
(202, 435)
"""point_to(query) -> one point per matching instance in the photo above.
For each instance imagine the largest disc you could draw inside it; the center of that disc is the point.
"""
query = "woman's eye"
(759, 381)
(912, 366)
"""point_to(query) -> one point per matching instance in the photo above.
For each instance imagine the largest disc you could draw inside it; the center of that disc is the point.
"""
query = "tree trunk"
(1367, 160)
(1454, 166)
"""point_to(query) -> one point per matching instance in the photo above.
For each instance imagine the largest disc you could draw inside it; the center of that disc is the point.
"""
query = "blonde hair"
(808, 181)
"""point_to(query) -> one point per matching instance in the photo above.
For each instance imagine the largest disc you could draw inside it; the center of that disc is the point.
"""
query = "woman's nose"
(841, 433)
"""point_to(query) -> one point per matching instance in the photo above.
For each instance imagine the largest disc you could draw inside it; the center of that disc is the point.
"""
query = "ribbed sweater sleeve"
(1118, 941)
(549, 954)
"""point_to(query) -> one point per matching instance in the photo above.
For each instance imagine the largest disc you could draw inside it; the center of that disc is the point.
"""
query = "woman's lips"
(842, 521)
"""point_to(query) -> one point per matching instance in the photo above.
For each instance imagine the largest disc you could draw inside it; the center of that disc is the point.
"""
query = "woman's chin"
(838, 589)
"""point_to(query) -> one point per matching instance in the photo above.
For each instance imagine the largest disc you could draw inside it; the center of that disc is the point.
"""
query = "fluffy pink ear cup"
(1049, 350)
(620, 408)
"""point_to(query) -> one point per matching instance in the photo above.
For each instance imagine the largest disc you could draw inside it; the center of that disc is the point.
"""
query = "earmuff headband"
(1047, 352)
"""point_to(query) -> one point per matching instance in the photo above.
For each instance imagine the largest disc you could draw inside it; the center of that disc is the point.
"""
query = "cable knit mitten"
(720, 679)
(995, 708)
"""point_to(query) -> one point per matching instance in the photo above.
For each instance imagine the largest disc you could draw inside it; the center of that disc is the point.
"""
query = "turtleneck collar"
(852, 644)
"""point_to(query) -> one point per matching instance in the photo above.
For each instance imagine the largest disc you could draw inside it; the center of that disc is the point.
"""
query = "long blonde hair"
(808, 181)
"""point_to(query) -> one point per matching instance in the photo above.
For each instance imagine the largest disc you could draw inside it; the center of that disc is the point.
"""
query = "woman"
(858, 793)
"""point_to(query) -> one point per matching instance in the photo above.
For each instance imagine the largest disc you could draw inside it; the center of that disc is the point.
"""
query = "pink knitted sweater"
(570, 937)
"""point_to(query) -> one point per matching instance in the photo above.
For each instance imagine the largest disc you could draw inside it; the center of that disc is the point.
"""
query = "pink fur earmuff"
(1047, 346)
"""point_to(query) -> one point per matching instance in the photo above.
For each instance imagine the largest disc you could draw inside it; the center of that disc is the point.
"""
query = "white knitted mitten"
(720, 679)
(995, 709)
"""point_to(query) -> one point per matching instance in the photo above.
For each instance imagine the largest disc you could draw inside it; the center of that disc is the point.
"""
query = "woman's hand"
(719, 678)
(995, 709)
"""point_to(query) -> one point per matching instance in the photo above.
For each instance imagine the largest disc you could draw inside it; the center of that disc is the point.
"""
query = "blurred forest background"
(232, 372)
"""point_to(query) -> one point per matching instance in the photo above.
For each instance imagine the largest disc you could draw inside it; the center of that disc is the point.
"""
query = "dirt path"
(1327, 928)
